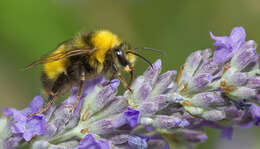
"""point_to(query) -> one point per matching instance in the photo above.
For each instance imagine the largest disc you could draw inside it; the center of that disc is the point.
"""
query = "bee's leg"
(82, 75)
(51, 99)
(125, 84)
(79, 94)
(121, 78)
(57, 87)
(110, 78)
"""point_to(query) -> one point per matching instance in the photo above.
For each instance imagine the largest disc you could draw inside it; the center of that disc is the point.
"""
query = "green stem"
(75, 132)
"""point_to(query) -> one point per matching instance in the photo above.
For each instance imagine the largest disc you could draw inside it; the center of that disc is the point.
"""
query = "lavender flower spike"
(167, 110)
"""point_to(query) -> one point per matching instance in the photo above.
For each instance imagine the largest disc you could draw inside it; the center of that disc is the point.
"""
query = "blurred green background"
(30, 28)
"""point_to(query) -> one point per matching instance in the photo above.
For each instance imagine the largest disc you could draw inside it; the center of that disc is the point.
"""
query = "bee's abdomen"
(46, 83)
(54, 69)
(56, 87)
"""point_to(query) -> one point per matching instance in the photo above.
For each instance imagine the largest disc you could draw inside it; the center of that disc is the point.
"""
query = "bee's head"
(123, 58)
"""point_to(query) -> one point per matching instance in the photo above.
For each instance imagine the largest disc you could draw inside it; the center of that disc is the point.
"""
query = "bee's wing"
(60, 55)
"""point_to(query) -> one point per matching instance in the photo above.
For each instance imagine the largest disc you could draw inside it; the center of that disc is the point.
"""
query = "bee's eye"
(121, 58)
(118, 53)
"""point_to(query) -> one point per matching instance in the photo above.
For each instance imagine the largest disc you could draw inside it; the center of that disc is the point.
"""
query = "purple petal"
(214, 115)
(35, 125)
(61, 116)
(211, 67)
(221, 41)
(226, 46)
(232, 112)
(244, 93)
(163, 82)
(227, 133)
(199, 82)
(238, 37)
(255, 113)
(143, 92)
(222, 55)
(27, 136)
(137, 142)
(158, 142)
(119, 139)
(36, 104)
(132, 117)
(184, 123)
(106, 126)
(114, 84)
(118, 121)
(237, 79)
(90, 142)
(207, 99)
(244, 58)
(16, 114)
(118, 105)
(148, 108)
(193, 136)
(18, 128)
(161, 100)
(253, 82)
(28, 127)
(192, 64)
(44, 144)
(12, 142)
(163, 121)
(106, 95)
(151, 74)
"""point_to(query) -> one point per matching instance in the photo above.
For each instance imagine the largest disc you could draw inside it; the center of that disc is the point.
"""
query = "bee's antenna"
(152, 49)
(146, 60)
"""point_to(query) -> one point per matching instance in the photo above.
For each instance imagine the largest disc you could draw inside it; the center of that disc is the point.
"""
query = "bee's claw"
(71, 111)
(30, 115)
(39, 112)
(107, 83)
(130, 90)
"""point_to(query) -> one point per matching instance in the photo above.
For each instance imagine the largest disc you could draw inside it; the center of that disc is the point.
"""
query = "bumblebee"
(83, 58)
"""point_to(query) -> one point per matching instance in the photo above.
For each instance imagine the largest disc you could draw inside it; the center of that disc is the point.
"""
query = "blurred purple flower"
(227, 133)
(228, 45)
(138, 142)
(255, 113)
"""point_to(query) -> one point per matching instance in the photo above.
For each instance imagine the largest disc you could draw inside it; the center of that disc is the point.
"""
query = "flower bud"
(207, 99)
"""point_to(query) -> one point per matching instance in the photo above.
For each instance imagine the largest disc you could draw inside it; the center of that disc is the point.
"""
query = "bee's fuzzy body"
(61, 75)
(99, 53)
